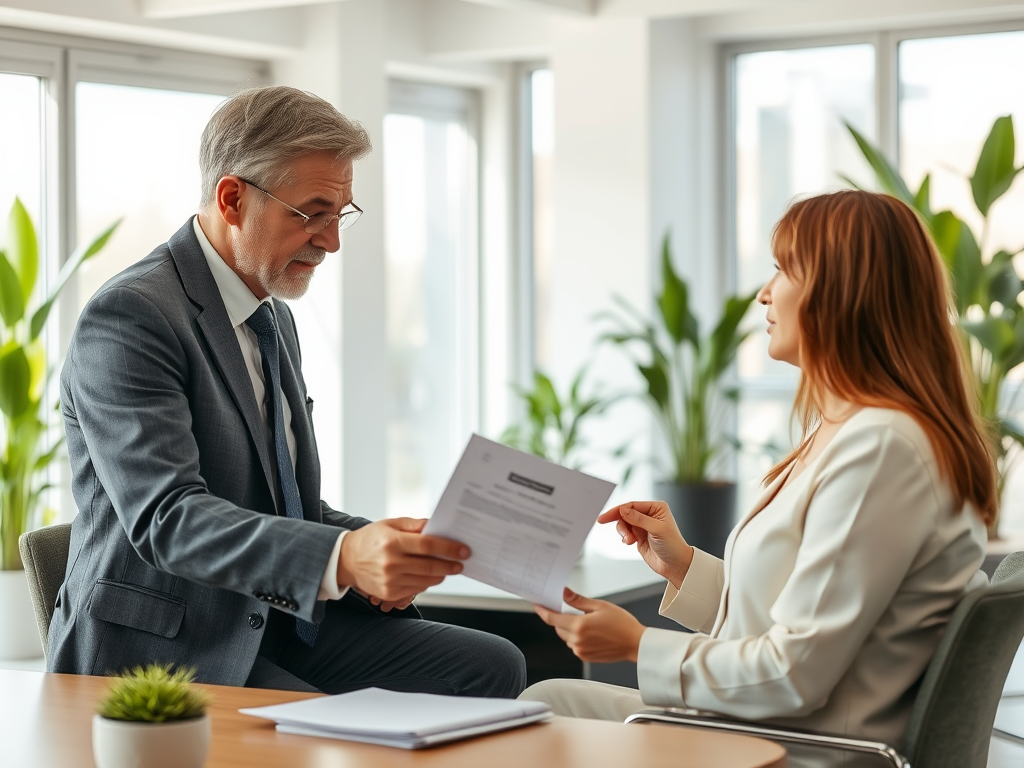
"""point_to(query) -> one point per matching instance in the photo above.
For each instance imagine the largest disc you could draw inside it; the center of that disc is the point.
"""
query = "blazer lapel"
(219, 334)
(766, 496)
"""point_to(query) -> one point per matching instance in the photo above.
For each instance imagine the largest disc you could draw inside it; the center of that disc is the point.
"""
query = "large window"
(132, 167)
(21, 145)
(431, 244)
(789, 141)
(101, 135)
(928, 101)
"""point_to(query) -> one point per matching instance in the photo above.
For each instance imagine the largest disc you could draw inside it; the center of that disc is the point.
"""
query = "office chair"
(45, 555)
(951, 722)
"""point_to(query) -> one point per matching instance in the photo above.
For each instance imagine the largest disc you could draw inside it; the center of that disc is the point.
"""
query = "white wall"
(602, 200)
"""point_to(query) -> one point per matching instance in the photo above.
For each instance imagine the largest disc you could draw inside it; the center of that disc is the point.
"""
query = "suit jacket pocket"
(137, 607)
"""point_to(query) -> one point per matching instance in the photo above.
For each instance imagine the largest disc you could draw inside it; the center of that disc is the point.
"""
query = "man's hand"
(387, 605)
(604, 633)
(393, 561)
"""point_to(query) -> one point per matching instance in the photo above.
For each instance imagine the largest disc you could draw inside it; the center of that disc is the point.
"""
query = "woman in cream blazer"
(837, 585)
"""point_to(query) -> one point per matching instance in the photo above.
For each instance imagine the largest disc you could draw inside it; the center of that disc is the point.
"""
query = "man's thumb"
(408, 524)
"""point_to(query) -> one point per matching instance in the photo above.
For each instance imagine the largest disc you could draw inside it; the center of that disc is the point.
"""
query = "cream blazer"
(833, 595)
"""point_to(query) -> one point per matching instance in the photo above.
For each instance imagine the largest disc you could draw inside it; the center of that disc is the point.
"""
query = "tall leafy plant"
(986, 284)
(682, 368)
(27, 448)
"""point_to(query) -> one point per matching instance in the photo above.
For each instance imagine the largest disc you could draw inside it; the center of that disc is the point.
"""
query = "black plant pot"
(704, 512)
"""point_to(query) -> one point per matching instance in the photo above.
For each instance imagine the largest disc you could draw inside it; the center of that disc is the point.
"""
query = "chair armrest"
(775, 733)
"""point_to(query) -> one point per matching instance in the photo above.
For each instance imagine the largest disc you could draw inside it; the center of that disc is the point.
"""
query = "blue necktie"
(262, 324)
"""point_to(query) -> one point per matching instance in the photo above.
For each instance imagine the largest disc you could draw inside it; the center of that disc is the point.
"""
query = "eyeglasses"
(319, 221)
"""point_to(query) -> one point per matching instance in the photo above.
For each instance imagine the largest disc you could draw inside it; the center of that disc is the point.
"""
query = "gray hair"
(258, 132)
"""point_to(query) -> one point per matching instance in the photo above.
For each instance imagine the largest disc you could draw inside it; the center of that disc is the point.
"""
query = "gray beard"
(278, 284)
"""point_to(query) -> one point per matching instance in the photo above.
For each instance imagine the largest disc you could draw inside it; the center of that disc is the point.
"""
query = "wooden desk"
(46, 722)
(630, 584)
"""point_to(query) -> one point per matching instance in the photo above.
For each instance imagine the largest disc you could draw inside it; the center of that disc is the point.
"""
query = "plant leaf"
(888, 177)
(922, 200)
(726, 338)
(23, 248)
(1001, 282)
(77, 259)
(14, 381)
(962, 255)
(993, 333)
(1011, 428)
(12, 302)
(674, 301)
(546, 397)
(657, 383)
(850, 181)
(994, 172)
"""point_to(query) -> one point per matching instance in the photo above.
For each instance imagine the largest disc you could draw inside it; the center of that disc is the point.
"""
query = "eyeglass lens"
(321, 221)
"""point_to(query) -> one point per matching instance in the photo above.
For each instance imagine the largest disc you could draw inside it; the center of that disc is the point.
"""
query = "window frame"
(524, 299)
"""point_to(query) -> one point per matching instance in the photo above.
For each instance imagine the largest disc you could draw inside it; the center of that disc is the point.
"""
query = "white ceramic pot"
(19, 637)
(123, 744)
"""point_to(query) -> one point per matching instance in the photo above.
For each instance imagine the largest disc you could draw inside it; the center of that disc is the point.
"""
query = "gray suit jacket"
(177, 554)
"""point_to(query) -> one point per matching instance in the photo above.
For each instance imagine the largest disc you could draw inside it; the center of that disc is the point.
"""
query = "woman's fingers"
(625, 532)
(643, 520)
(632, 511)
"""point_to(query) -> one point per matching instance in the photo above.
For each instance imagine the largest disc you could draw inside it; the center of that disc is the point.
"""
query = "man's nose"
(328, 238)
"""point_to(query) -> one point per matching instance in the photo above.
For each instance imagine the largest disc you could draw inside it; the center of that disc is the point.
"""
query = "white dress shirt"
(240, 304)
(833, 595)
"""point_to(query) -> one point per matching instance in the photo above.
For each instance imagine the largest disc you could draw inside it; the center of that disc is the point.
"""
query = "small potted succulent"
(152, 717)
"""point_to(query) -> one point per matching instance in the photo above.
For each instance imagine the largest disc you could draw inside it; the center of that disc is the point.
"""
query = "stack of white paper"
(407, 720)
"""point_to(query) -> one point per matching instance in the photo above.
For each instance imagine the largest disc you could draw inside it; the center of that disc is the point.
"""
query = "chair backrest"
(45, 555)
(951, 724)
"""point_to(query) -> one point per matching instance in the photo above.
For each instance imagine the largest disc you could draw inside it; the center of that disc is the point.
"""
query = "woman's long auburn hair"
(877, 328)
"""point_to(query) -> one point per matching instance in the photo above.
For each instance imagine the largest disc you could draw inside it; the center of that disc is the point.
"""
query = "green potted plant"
(986, 285)
(683, 371)
(32, 437)
(551, 427)
(152, 717)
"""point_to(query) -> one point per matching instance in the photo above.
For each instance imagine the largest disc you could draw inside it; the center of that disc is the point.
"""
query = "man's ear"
(228, 198)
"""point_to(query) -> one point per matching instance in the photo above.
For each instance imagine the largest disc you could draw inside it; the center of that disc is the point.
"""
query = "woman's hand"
(650, 525)
(604, 632)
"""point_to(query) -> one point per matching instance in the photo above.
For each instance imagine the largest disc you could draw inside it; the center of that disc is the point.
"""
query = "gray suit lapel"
(220, 336)
(307, 463)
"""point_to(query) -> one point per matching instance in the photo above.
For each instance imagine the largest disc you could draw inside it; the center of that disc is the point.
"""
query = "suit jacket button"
(255, 620)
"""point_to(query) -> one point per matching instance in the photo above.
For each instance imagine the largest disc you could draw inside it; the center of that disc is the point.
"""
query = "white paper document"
(524, 518)
(406, 720)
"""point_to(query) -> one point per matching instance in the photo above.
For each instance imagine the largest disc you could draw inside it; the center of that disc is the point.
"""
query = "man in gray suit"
(201, 539)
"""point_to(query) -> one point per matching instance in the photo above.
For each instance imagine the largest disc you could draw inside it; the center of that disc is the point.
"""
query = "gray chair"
(45, 555)
(951, 723)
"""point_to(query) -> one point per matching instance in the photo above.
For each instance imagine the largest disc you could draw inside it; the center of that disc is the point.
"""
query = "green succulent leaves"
(155, 694)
